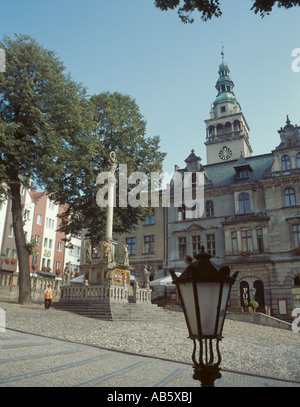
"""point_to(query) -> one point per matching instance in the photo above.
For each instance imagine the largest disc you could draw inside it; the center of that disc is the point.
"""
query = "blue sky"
(171, 68)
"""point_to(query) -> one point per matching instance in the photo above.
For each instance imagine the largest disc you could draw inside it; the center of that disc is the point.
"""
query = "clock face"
(225, 153)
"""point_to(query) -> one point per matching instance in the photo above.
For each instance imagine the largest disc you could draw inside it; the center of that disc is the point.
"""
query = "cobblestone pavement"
(28, 360)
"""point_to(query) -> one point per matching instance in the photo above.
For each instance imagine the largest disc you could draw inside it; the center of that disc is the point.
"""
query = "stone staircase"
(118, 311)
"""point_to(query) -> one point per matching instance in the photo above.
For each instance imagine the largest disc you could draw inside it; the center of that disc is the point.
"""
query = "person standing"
(48, 297)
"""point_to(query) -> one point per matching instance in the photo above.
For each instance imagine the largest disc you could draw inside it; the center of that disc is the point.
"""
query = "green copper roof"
(225, 97)
(224, 85)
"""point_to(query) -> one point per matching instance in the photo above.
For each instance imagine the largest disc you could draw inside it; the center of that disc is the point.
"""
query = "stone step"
(115, 311)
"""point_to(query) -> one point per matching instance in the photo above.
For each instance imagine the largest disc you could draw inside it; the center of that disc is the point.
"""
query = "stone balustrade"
(143, 295)
(96, 293)
(9, 290)
(9, 287)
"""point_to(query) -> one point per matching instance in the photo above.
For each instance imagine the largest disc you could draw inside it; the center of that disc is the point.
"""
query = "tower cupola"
(227, 132)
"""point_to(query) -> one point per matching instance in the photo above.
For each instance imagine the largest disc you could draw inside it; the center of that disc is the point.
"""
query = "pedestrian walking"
(48, 297)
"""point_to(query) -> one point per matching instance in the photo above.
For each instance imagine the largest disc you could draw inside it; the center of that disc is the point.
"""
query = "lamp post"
(204, 291)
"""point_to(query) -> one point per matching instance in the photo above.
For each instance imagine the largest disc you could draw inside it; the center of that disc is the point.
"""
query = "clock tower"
(227, 132)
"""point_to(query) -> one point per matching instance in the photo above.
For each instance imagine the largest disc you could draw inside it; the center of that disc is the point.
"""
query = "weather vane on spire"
(222, 53)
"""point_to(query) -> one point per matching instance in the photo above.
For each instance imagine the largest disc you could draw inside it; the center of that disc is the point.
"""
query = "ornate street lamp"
(204, 291)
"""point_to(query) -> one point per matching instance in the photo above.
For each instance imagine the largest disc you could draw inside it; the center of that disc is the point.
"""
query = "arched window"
(211, 132)
(209, 209)
(289, 197)
(285, 163)
(298, 160)
(220, 130)
(244, 203)
(236, 126)
(228, 129)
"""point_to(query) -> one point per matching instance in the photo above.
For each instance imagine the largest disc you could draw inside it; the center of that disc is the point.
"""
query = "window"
(58, 265)
(75, 251)
(289, 197)
(211, 244)
(13, 254)
(60, 246)
(50, 243)
(39, 219)
(7, 253)
(296, 234)
(236, 126)
(150, 220)
(246, 240)
(130, 241)
(196, 241)
(223, 108)
(209, 209)
(182, 247)
(181, 213)
(37, 239)
(243, 174)
(234, 242)
(244, 203)
(50, 223)
(11, 231)
(27, 214)
(259, 237)
(148, 244)
(285, 162)
(46, 242)
(298, 160)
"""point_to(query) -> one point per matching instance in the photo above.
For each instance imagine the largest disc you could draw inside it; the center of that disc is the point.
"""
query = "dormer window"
(242, 174)
(285, 163)
(223, 109)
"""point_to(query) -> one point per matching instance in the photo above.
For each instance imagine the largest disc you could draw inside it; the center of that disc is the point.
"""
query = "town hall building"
(251, 219)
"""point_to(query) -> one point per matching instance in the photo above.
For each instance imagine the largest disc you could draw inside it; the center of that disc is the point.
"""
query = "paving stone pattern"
(28, 360)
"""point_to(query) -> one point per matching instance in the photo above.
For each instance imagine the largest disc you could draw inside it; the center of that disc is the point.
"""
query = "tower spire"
(227, 132)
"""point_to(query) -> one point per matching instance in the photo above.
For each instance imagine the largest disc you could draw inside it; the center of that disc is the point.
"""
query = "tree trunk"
(22, 250)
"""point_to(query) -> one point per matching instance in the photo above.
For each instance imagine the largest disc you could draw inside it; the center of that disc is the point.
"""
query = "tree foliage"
(54, 136)
(211, 8)
(44, 125)
(117, 126)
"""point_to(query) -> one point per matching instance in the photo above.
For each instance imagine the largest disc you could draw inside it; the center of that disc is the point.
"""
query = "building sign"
(244, 294)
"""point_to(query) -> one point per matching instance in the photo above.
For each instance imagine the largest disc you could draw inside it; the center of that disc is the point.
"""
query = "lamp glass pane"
(187, 295)
(208, 298)
(224, 300)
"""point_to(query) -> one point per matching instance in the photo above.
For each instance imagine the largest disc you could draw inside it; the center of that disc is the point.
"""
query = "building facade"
(41, 224)
(147, 245)
(251, 217)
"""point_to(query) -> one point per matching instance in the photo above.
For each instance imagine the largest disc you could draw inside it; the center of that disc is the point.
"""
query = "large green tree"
(118, 126)
(44, 129)
(211, 8)
(53, 135)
